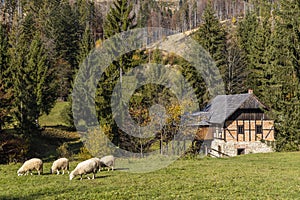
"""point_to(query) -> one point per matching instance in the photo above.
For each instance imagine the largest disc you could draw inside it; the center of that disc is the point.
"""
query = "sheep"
(88, 166)
(60, 164)
(98, 161)
(29, 165)
(108, 161)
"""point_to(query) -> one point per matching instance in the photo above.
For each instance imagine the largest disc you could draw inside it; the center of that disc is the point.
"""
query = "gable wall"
(250, 134)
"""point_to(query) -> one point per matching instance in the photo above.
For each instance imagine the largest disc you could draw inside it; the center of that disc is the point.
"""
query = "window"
(240, 129)
(218, 132)
(258, 129)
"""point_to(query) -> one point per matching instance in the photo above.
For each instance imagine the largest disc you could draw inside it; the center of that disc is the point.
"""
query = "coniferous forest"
(255, 45)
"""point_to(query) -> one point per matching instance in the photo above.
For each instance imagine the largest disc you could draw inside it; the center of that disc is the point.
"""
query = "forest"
(255, 45)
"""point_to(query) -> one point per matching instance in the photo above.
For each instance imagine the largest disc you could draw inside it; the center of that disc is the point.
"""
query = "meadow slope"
(254, 176)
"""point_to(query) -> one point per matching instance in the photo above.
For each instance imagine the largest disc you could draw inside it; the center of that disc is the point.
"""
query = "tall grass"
(255, 176)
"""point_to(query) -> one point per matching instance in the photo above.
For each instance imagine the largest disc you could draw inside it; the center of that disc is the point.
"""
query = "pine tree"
(290, 15)
(246, 30)
(212, 37)
(5, 86)
(86, 12)
(143, 14)
(33, 82)
(119, 19)
(259, 62)
(43, 77)
(285, 85)
(3, 51)
(17, 52)
(86, 45)
(237, 67)
(64, 33)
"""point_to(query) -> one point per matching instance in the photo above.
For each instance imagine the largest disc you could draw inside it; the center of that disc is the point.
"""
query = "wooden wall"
(250, 130)
(249, 119)
(204, 133)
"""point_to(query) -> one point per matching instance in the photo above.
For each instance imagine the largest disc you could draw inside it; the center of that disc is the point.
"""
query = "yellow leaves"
(98, 43)
(233, 20)
(174, 112)
(97, 141)
(136, 57)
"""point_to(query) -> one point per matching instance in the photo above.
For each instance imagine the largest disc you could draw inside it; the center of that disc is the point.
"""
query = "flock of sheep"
(92, 165)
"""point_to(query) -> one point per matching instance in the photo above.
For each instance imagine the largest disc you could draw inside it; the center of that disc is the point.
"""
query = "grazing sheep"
(108, 161)
(29, 165)
(86, 167)
(98, 161)
(60, 164)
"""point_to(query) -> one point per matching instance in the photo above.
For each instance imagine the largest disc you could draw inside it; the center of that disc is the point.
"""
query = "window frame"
(241, 129)
(258, 129)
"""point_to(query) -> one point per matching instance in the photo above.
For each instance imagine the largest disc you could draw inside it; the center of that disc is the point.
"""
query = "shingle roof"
(223, 106)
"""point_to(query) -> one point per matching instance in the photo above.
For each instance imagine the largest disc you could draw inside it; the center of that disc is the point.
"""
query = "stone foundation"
(233, 148)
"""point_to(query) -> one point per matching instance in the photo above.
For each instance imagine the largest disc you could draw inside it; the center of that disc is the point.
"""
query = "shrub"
(84, 154)
(63, 150)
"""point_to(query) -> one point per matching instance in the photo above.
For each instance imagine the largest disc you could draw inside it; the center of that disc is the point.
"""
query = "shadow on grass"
(121, 169)
(88, 177)
(45, 145)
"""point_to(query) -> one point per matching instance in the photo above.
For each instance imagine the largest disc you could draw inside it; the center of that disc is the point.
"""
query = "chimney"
(250, 91)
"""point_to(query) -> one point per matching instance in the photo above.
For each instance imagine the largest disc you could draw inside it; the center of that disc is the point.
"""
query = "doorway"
(241, 151)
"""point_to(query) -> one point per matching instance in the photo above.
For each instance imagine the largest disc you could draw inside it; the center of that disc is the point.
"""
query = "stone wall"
(230, 148)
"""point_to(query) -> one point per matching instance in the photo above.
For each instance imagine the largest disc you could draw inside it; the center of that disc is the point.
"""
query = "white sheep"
(108, 161)
(88, 166)
(60, 164)
(98, 161)
(29, 165)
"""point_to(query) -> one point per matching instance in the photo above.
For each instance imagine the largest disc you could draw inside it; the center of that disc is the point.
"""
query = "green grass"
(54, 118)
(255, 176)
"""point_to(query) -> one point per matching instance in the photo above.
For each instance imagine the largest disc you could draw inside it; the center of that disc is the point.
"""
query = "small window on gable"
(218, 132)
(240, 129)
(258, 129)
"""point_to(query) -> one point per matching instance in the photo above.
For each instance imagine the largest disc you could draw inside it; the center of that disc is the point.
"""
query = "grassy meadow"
(55, 117)
(254, 176)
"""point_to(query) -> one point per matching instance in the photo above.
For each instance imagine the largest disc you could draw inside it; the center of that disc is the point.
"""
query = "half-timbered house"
(235, 124)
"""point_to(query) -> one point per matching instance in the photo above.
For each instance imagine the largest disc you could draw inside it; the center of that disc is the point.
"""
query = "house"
(234, 124)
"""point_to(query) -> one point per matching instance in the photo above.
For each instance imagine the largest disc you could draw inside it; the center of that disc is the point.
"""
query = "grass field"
(54, 118)
(254, 176)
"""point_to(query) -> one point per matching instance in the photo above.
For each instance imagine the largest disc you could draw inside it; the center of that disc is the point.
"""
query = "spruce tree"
(259, 62)
(120, 18)
(212, 37)
(5, 86)
(246, 30)
(237, 67)
(3, 51)
(285, 96)
(33, 79)
(86, 45)
(64, 33)
(289, 14)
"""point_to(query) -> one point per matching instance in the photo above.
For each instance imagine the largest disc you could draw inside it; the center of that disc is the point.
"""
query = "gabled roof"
(223, 106)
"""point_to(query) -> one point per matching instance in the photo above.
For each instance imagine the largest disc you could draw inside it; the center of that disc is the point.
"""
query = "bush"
(63, 150)
(84, 154)
(13, 149)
